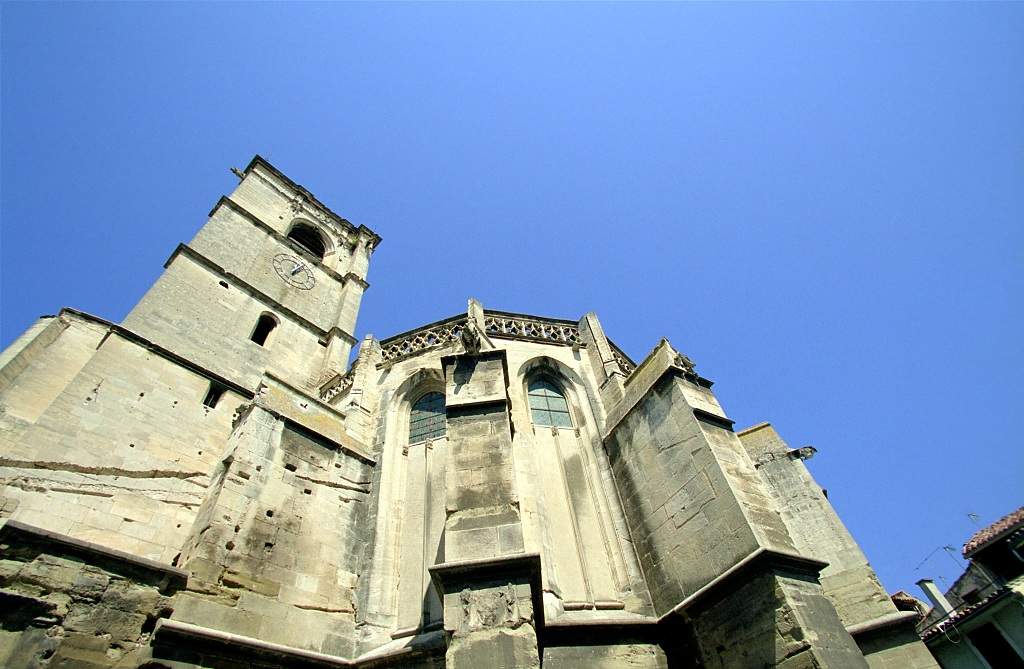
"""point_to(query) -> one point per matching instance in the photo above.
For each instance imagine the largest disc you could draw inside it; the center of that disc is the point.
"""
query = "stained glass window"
(547, 404)
(427, 420)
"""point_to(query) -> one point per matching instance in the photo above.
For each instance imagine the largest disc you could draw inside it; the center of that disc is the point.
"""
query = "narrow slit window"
(427, 419)
(547, 404)
(213, 395)
(309, 239)
(264, 326)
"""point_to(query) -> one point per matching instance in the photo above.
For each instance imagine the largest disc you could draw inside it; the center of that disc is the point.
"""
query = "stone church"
(211, 484)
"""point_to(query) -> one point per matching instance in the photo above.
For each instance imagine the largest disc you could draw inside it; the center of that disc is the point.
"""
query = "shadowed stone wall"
(848, 581)
(74, 604)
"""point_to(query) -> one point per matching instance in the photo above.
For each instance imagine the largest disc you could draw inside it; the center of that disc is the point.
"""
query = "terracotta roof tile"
(963, 612)
(996, 530)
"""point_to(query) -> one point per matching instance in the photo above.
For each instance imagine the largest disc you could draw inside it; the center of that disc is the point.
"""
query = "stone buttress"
(490, 587)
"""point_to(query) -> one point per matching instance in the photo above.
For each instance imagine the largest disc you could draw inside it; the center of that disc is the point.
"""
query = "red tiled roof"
(960, 614)
(996, 530)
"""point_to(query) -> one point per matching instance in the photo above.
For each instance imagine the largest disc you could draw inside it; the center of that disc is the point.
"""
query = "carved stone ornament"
(626, 366)
(422, 340)
(470, 337)
(502, 326)
(535, 329)
(493, 607)
(336, 385)
(685, 363)
(297, 205)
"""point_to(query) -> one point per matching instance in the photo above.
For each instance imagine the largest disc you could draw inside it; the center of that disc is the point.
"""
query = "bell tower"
(271, 283)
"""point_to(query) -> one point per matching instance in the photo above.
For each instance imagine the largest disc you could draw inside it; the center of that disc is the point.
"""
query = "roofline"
(499, 314)
(487, 312)
(941, 625)
(967, 553)
(425, 326)
(513, 314)
(257, 159)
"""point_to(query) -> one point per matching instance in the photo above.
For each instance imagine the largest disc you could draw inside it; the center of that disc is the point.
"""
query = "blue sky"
(821, 204)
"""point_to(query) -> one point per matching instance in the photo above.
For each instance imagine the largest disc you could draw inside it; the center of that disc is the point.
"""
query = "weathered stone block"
(98, 620)
(501, 648)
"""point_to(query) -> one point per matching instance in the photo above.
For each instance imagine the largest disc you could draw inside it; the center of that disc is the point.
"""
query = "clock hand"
(298, 268)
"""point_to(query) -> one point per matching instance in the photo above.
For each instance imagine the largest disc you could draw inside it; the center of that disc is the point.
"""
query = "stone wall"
(848, 581)
(774, 620)
(206, 303)
(117, 448)
(277, 548)
(686, 523)
(190, 313)
(75, 605)
(232, 241)
(598, 655)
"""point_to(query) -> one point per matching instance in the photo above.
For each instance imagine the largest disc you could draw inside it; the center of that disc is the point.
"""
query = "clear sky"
(822, 204)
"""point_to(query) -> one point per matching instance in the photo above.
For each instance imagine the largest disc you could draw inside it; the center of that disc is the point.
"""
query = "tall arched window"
(427, 419)
(547, 404)
(264, 326)
(308, 238)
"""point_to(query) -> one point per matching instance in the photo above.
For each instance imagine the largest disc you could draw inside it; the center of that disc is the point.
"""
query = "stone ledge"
(610, 631)
(752, 428)
(714, 419)
(172, 630)
(164, 353)
(642, 621)
(761, 558)
(260, 161)
(16, 531)
(169, 631)
(883, 622)
(305, 412)
(444, 573)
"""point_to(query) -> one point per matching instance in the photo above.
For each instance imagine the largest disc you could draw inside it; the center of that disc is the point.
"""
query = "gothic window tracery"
(427, 418)
(547, 403)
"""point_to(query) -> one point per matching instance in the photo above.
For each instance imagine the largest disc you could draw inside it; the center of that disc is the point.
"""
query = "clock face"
(294, 271)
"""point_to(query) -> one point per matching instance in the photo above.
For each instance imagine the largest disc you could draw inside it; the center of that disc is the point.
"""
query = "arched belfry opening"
(309, 238)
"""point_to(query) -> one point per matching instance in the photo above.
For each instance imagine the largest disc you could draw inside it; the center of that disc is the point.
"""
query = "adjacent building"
(211, 484)
(978, 623)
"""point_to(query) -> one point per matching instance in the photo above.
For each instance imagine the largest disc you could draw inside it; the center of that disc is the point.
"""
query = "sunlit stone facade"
(211, 484)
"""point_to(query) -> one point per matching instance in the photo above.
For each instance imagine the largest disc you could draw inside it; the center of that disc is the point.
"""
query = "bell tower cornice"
(304, 204)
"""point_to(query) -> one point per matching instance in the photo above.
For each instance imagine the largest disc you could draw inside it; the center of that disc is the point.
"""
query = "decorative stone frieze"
(337, 385)
(405, 346)
(496, 324)
(625, 364)
(532, 329)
